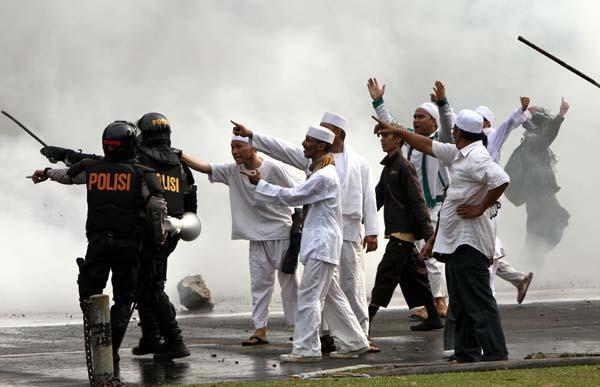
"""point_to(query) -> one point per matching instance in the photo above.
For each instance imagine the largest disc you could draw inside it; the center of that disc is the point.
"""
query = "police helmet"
(155, 129)
(118, 140)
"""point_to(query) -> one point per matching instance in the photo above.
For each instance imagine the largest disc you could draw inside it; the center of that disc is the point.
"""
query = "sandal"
(254, 340)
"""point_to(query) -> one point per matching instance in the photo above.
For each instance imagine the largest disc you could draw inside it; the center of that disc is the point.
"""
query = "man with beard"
(359, 211)
(531, 167)
(265, 225)
(432, 177)
(320, 251)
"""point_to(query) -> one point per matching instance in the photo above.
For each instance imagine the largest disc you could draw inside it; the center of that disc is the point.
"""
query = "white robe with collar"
(356, 184)
(322, 232)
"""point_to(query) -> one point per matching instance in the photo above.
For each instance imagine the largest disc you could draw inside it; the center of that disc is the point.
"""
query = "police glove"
(55, 153)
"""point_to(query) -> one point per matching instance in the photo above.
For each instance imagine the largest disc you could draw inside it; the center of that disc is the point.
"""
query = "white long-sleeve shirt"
(251, 220)
(356, 183)
(472, 174)
(498, 136)
(322, 231)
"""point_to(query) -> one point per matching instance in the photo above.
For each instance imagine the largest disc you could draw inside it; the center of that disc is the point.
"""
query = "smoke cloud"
(69, 68)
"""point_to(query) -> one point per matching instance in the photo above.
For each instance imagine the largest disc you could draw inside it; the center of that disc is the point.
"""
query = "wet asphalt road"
(53, 355)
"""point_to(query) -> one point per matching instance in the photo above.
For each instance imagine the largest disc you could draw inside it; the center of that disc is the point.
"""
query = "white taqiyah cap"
(240, 138)
(469, 121)
(486, 112)
(335, 120)
(432, 110)
(321, 133)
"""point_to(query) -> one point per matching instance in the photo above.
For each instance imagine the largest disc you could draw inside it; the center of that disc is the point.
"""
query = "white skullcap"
(432, 110)
(240, 138)
(486, 112)
(321, 133)
(469, 121)
(335, 120)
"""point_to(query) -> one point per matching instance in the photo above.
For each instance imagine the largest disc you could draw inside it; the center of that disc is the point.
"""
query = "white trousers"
(320, 292)
(503, 269)
(436, 270)
(352, 281)
(265, 259)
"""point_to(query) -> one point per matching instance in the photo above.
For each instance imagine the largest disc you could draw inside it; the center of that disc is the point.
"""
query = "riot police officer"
(126, 207)
(157, 313)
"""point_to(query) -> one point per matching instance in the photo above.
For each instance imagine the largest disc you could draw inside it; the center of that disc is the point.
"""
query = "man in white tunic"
(432, 177)
(465, 236)
(496, 137)
(265, 225)
(320, 251)
(358, 206)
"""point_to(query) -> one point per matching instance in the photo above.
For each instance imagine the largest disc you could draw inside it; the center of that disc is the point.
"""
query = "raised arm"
(417, 141)
(376, 93)
(544, 139)
(497, 139)
(196, 164)
(446, 120)
(278, 149)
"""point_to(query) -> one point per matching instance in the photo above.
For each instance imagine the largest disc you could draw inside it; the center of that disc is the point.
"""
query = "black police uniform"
(157, 313)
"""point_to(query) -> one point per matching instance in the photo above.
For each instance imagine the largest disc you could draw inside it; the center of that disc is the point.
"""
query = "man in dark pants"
(157, 313)
(123, 197)
(465, 236)
(406, 220)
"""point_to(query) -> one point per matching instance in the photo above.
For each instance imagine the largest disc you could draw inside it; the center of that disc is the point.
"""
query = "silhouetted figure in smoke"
(531, 170)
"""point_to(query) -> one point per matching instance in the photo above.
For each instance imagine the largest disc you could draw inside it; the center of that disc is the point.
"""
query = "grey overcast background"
(68, 68)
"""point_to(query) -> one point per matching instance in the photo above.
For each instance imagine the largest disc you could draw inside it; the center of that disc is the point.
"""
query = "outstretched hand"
(439, 92)
(254, 176)
(241, 130)
(564, 107)
(39, 176)
(524, 103)
(383, 128)
(375, 91)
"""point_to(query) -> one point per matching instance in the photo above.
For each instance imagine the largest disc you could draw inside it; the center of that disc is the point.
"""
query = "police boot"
(172, 350)
(147, 346)
(150, 340)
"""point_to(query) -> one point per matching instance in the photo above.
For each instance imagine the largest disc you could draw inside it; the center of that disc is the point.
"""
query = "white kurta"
(322, 233)
(267, 227)
(320, 249)
(358, 205)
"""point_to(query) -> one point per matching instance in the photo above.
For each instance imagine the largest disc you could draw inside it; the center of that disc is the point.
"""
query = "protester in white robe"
(265, 225)
(358, 206)
(320, 252)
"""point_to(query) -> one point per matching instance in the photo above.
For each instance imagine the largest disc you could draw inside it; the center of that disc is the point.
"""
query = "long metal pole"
(560, 62)
(24, 128)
